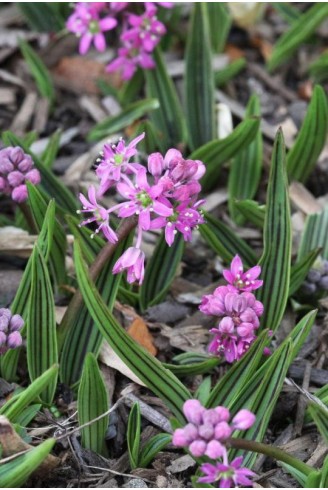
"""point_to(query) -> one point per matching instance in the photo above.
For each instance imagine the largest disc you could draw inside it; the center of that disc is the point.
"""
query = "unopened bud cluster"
(10, 326)
(317, 279)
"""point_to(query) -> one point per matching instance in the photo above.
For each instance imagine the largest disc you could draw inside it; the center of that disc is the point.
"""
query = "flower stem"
(272, 452)
(25, 209)
(104, 255)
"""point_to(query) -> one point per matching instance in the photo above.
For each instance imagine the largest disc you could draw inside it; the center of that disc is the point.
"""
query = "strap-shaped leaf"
(215, 153)
(49, 182)
(298, 33)
(15, 473)
(41, 325)
(169, 118)
(287, 11)
(225, 242)
(133, 435)
(153, 447)
(158, 379)
(246, 167)
(319, 69)
(229, 72)
(13, 408)
(311, 139)
(81, 333)
(218, 16)
(193, 369)
(160, 271)
(50, 153)
(46, 17)
(276, 258)
(315, 234)
(129, 115)
(300, 270)
(38, 204)
(252, 211)
(92, 401)
(319, 414)
(199, 80)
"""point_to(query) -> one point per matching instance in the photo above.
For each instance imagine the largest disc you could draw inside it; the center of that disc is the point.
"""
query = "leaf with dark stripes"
(300, 270)
(311, 139)
(252, 211)
(133, 435)
(92, 401)
(319, 414)
(246, 167)
(41, 325)
(217, 152)
(218, 15)
(225, 242)
(153, 447)
(158, 379)
(169, 118)
(160, 271)
(199, 80)
(276, 257)
(315, 234)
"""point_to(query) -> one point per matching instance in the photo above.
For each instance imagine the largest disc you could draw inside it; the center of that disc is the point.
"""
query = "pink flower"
(133, 261)
(130, 57)
(10, 326)
(114, 161)
(227, 475)
(243, 281)
(87, 24)
(243, 420)
(16, 168)
(145, 29)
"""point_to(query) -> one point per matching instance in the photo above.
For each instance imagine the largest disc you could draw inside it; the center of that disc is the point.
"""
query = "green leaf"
(313, 479)
(28, 415)
(45, 16)
(133, 435)
(203, 391)
(225, 242)
(92, 401)
(252, 211)
(17, 404)
(224, 75)
(129, 115)
(276, 257)
(169, 118)
(38, 70)
(311, 139)
(41, 325)
(300, 270)
(319, 69)
(51, 184)
(218, 15)
(319, 414)
(15, 473)
(153, 447)
(215, 153)
(158, 379)
(287, 11)
(50, 153)
(160, 271)
(315, 234)
(38, 205)
(131, 89)
(297, 34)
(193, 369)
(199, 80)
(246, 167)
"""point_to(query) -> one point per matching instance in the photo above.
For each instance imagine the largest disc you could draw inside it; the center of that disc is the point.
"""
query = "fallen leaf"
(138, 330)
(264, 46)
(233, 52)
(109, 357)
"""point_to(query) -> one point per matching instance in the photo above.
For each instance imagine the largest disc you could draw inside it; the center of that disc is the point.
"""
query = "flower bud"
(155, 164)
(16, 323)
(243, 420)
(197, 448)
(206, 431)
(222, 431)
(19, 194)
(223, 413)
(191, 432)
(211, 417)
(179, 438)
(214, 450)
(193, 411)
(14, 340)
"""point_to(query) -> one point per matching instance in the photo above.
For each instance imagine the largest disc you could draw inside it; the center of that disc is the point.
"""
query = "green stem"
(271, 451)
(24, 207)
(104, 255)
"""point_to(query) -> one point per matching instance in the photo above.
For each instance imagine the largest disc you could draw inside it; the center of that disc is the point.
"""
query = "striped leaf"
(226, 74)
(225, 242)
(169, 118)
(38, 205)
(50, 153)
(199, 80)
(297, 34)
(15, 473)
(218, 15)
(158, 379)
(276, 257)
(319, 69)
(193, 369)
(160, 271)
(49, 182)
(129, 115)
(319, 414)
(287, 11)
(79, 331)
(41, 325)
(311, 139)
(217, 152)
(300, 270)
(13, 408)
(92, 401)
(246, 167)
(315, 234)
(153, 447)
(252, 211)
(133, 435)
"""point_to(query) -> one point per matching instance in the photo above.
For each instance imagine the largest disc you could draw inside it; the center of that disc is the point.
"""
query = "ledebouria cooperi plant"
(162, 196)
(10, 326)
(16, 168)
(238, 311)
(207, 434)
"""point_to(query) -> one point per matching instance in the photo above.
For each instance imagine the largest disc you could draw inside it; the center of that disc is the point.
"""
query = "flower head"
(16, 168)
(227, 475)
(243, 281)
(144, 29)
(10, 326)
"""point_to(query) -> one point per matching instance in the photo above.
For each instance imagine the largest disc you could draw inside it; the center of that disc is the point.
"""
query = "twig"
(149, 413)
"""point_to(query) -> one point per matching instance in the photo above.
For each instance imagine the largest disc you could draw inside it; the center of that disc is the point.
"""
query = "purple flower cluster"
(139, 37)
(16, 168)
(10, 326)
(165, 196)
(207, 434)
(238, 311)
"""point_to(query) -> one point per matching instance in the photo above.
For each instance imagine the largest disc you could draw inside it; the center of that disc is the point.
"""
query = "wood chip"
(41, 115)
(303, 199)
(24, 115)
(91, 105)
(149, 413)
(7, 96)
